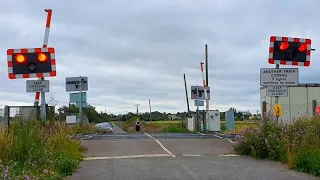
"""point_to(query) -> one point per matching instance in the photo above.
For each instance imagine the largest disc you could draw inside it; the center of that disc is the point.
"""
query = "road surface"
(125, 156)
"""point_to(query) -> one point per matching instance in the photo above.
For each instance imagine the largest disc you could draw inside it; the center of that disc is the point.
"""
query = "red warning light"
(284, 46)
(303, 47)
(42, 57)
(20, 58)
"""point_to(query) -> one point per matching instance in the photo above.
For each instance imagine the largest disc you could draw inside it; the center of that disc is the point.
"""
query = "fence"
(292, 111)
(22, 114)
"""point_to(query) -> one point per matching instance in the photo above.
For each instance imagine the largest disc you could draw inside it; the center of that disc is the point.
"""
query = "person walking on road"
(138, 126)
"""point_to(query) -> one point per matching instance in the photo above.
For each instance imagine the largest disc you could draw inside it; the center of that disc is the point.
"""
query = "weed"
(33, 150)
(175, 128)
(297, 144)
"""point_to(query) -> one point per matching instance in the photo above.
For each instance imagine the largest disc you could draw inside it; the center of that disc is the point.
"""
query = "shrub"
(31, 150)
(297, 144)
(309, 162)
(223, 127)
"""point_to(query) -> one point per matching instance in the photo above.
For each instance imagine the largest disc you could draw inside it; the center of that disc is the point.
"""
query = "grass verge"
(297, 145)
(32, 151)
(153, 127)
(240, 126)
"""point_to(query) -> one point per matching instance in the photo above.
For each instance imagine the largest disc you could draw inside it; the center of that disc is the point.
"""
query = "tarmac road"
(124, 156)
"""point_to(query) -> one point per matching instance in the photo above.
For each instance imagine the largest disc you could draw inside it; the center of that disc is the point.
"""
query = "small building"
(173, 117)
(300, 102)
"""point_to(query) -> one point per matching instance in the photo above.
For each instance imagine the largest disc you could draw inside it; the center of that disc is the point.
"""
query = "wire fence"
(293, 111)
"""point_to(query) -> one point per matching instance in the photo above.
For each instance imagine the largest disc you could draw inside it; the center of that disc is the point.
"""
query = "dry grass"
(3, 127)
(164, 122)
(240, 127)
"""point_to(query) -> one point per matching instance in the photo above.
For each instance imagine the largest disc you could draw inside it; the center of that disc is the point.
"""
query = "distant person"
(137, 126)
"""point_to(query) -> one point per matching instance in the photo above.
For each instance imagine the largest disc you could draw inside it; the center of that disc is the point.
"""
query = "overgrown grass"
(175, 128)
(153, 127)
(240, 126)
(33, 151)
(297, 144)
(164, 122)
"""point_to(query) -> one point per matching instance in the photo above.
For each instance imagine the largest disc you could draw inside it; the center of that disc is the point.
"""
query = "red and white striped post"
(45, 44)
(206, 95)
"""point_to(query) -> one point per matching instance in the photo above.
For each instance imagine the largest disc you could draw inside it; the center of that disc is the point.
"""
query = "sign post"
(79, 84)
(288, 51)
(197, 108)
(277, 111)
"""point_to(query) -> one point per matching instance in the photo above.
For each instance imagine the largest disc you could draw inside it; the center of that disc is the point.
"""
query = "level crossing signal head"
(289, 51)
(31, 63)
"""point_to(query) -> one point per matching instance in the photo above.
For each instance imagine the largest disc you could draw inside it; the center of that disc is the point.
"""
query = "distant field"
(163, 122)
(178, 122)
(239, 125)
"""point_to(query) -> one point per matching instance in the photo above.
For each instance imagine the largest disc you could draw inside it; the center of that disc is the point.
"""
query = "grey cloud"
(133, 51)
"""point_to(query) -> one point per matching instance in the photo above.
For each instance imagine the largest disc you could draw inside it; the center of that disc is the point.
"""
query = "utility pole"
(186, 90)
(126, 116)
(137, 109)
(80, 83)
(207, 73)
(150, 110)
(207, 84)
(197, 121)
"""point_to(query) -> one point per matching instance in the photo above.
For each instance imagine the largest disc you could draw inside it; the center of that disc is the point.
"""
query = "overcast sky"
(133, 50)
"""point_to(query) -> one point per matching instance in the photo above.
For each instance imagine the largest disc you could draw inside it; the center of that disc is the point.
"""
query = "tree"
(52, 101)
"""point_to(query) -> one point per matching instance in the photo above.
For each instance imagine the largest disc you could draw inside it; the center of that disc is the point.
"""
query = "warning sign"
(281, 91)
(279, 77)
(37, 86)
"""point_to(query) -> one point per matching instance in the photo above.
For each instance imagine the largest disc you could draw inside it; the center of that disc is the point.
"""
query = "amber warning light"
(284, 46)
(303, 47)
(21, 58)
(42, 57)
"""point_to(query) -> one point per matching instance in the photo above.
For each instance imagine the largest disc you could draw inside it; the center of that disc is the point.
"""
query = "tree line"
(96, 117)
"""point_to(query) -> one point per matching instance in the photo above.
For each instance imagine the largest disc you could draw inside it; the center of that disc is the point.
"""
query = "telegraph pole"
(137, 109)
(126, 116)
(150, 110)
(207, 73)
(186, 90)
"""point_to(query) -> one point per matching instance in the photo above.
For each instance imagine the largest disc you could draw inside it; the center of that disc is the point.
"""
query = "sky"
(133, 51)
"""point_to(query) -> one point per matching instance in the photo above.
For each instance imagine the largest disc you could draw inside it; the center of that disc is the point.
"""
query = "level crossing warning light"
(317, 109)
(31, 63)
(289, 51)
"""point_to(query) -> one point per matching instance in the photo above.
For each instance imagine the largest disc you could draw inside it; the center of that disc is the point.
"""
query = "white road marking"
(87, 136)
(200, 133)
(191, 155)
(229, 155)
(219, 137)
(127, 157)
(230, 141)
(161, 145)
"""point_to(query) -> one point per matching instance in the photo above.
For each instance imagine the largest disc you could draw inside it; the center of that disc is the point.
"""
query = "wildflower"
(27, 177)
(45, 171)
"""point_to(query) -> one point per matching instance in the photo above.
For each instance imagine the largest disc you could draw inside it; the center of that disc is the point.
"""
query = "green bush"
(309, 162)
(175, 128)
(223, 127)
(31, 150)
(297, 144)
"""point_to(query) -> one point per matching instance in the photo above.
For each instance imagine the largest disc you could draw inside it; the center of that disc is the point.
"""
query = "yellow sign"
(277, 110)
